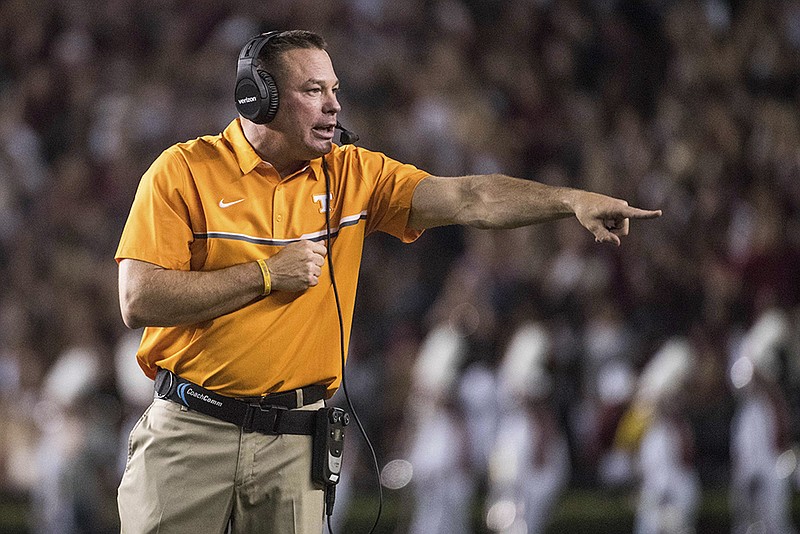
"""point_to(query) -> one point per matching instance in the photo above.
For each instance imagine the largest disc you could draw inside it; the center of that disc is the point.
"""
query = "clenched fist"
(298, 266)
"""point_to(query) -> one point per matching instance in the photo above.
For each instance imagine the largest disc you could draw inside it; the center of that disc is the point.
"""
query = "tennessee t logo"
(323, 202)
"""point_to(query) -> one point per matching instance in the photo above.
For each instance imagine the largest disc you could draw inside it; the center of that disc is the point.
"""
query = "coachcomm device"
(326, 462)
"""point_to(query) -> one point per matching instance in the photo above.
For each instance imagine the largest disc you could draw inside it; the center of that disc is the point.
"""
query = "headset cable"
(332, 487)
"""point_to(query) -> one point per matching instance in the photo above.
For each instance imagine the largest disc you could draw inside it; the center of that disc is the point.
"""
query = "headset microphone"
(346, 136)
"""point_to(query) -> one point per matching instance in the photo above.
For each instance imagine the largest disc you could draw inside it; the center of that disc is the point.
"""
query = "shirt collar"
(246, 155)
(315, 165)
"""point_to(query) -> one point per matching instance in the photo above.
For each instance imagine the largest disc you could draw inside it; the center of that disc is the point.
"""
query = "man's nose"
(331, 104)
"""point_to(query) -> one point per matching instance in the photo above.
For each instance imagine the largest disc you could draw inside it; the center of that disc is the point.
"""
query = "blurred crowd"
(510, 365)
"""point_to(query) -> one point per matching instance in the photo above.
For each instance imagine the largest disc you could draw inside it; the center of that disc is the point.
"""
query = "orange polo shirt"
(211, 203)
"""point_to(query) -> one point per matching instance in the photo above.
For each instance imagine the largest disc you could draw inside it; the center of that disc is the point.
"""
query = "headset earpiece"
(256, 92)
(270, 104)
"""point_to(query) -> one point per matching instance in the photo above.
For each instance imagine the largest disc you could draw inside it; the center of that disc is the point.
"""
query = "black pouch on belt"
(328, 445)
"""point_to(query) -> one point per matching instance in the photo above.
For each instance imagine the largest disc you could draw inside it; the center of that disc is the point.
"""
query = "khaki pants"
(189, 472)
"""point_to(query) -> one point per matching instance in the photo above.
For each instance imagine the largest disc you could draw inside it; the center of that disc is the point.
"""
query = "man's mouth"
(324, 130)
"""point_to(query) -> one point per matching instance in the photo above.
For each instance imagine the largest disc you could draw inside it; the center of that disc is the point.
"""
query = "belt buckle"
(283, 399)
(263, 419)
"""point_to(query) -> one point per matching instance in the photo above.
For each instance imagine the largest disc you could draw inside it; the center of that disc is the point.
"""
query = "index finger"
(319, 248)
(636, 213)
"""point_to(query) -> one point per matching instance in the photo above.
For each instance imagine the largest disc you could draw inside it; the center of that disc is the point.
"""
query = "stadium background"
(690, 107)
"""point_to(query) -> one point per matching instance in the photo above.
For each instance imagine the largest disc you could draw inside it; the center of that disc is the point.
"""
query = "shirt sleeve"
(390, 203)
(158, 229)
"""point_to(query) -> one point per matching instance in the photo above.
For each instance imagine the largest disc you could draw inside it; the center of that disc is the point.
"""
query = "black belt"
(272, 415)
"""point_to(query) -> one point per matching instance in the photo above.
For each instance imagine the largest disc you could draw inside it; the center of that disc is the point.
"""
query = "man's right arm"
(150, 295)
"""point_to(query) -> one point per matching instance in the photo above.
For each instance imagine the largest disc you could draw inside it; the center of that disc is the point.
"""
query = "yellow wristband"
(262, 264)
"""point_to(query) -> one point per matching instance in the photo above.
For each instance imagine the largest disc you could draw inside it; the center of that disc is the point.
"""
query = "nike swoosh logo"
(223, 204)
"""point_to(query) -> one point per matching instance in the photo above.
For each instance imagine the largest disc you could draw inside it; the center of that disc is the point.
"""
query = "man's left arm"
(499, 201)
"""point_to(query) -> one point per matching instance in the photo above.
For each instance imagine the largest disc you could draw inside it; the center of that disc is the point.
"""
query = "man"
(223, 259)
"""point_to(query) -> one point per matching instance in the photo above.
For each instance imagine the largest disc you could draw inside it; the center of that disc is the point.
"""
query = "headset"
(256, 91)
